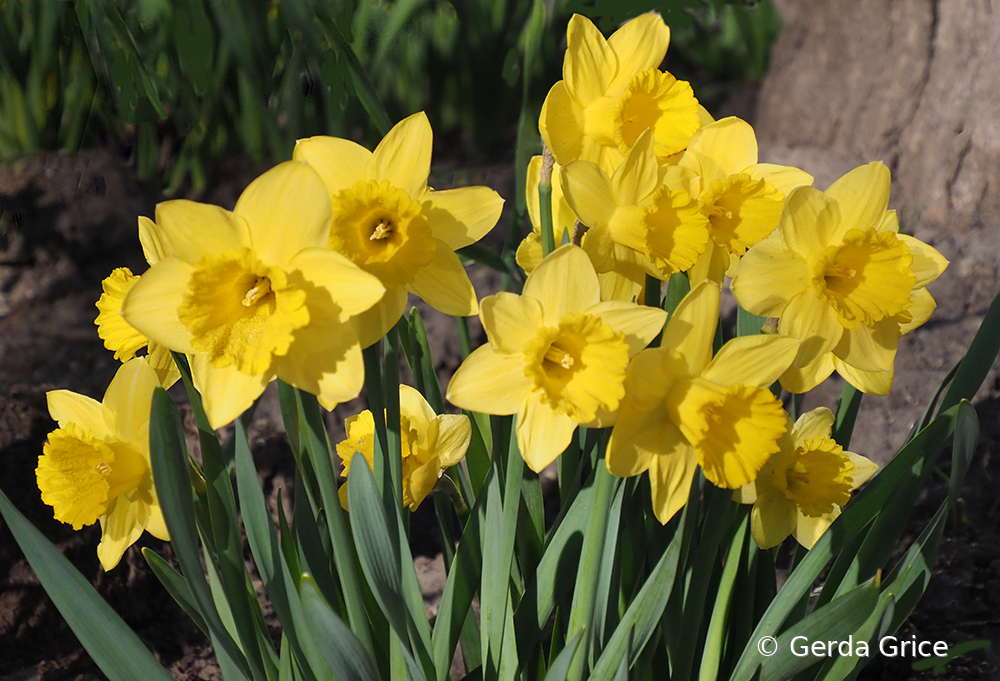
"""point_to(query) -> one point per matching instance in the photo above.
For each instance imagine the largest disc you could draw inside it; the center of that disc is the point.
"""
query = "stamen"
(557, 355)
(382, 231)
(721, 212)
(102, 468)
(260, 289)
(838, 270)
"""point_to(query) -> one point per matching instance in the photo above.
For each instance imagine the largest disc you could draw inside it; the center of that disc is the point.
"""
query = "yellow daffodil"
(635, 222)
(741, 198)
(839, 276)
(556, 355)
(390, 223)
(95, 466)
(801, 488)
(431, 444)
(683, 407)
(255, 293)
(612, 91)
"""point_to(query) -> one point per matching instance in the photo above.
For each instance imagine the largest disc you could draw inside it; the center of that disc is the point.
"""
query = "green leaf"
(107, 639)
(342, 649)
(559, 667)
(847, 414)
(836, 621)
(747, 323)
(978, 360)
(964, 447)
(175, 585)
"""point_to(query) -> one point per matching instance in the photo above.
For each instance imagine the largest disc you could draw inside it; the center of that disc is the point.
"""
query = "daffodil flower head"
(612, 91)
(683, 408)
(255, 293)
(634, 220)
(741, 198)
(839, 276)
(389, 223)
(430, 445)
(556, 355)
(802, 488)
(95, 466)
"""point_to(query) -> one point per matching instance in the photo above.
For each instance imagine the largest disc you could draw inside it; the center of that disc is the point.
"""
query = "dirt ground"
(70, 221)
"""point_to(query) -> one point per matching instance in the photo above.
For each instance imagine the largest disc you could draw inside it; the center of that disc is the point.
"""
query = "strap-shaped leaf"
(107, 639)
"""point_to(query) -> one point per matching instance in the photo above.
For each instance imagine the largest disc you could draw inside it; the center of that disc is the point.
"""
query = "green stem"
(545, 203)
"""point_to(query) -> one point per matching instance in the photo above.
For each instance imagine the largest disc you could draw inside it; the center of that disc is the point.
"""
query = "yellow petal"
(90, 415)
(334, 283)
(155, 524)
(404, 156)
(690, 330)
(151, 305)
(869, 348)
(772, 519)
(510, 321)
(928, 263)
(542, 432)
(454, 436)
(769, 276)
(921, 306)
(118, 335)
(376, 321)
(890, 222)
(639, 323)
(463, 216)
(810, 319)
(445, 285)
(729, 144)
(162, 362)
(188, 230)
(815, 423)
(529, 252)
(414, 407)
(226, 392)
(625, 285)
(808, 529)
(324, 360)
(670, 476)
(590, 64)
(871, 382)
(588, 192)
(641, 44)
(864, 468)
(120, 528)
(804, 379)
(561, 124)
(489, 383)
(782, 178)
(339, 162)
(862, 196)
(149, 237)
(747, 494)
(636, 178)
(752, 360)
(650, 377)
(809, 222)
(565, 283)
(130, 398)
(637, 438)
(286, 209)
(711, 265)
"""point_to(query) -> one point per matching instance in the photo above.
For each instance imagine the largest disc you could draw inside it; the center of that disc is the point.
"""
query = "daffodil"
(741, 198)
(839, 276)
(431, 444)
(801, 488)
(121, 337)
(390, 223)
(529, 253)
(612, 91)
(255, 293)
(684, 408)
(636, 222)
(556, 355)
(95, 466)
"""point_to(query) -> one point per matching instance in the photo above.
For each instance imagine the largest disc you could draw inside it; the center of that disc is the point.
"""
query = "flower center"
(741, 211)
(579, 367)
(80, 475)
(867, 278)
(819, 476)
(676, 231)
(383, 231)
(240, 311)
(655, 99)
(734, 430)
